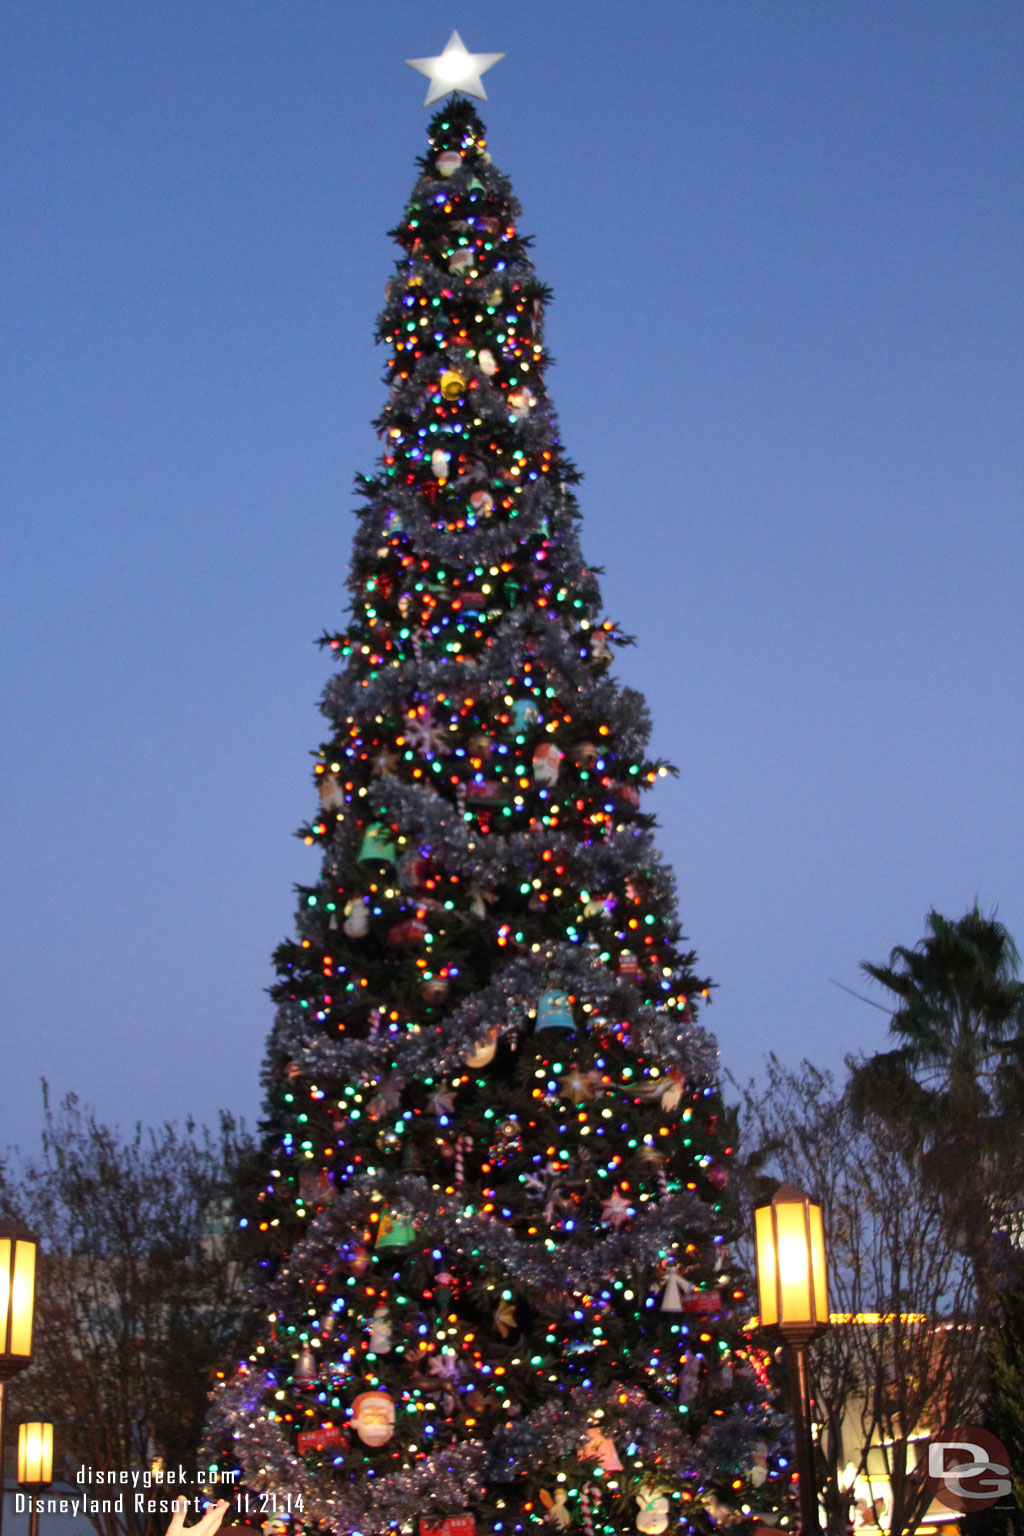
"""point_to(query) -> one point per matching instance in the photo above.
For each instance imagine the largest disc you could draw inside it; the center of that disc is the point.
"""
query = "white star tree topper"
(455, 70)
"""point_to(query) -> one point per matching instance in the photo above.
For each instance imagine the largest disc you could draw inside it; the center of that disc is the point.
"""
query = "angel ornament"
(557, 1508)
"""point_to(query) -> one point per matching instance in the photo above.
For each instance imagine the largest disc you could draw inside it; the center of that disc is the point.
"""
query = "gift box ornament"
(395, 1232)
(378, 846)
(324, 1439)
(480, 791)
(454, 1525)
(702, 1303)
(627, 966)
(553, 1012)
(407, 934)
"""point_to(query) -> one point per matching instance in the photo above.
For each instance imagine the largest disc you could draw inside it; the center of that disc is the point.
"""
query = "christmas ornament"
(304, 1374)
(689, 1379)
(439, 464)
(524, 713)
(586, 754)
(485, 357)
(521, 402)
(332, 796)
(628, 796)
(434, 989)
(380, 1331)
(323, 1439)
(455, 70)
(461, 260)
(479, 745)
(547, 761)
(627, 967)
(483, 1052)
(579, 1087)
(448, 162)
(455, 1525)
(505, 1317)
(553, 1012)
(378, 847)
(373, 1417)
(384, 764)
(616, 1210)
(703, 1303)
(452, 384)
(423, 734)
(652, 1518)
(666, 1091)
(482, 503)
(463, 1144)
(557, 1511)
(600, 649)
(357, 918)
(675, 1291)
(481, 791)
(600, 1448)
(395, 1232)
(407, 934)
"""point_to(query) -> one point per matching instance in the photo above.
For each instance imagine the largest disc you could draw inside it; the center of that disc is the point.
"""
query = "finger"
(177, 1524)
(211, 1520)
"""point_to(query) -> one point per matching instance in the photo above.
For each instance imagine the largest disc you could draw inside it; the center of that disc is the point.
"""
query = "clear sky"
(785, 244)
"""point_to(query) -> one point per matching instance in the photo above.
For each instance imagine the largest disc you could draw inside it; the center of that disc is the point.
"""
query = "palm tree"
(954, 1085)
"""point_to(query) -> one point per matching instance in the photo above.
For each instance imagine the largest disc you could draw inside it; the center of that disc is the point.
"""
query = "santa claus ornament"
(373, 1417)
(547, 761)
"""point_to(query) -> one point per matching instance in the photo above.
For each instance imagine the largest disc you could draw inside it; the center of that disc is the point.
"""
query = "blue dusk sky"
(785, 243)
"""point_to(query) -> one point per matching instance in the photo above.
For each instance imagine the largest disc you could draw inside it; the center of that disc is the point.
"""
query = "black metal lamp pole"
(792, 1288)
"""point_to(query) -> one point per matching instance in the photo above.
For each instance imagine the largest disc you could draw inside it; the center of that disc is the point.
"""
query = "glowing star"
(455, 70)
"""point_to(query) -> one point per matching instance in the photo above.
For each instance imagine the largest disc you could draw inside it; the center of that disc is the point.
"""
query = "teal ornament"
(553, 1012)
(378, 847)
(524, 713)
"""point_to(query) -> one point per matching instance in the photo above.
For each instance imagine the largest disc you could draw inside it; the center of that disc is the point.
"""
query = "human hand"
(209, 1523)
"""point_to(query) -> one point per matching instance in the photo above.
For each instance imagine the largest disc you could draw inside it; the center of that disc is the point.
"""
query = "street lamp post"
(35, 1466)
(792, 1291)
(18, 1250)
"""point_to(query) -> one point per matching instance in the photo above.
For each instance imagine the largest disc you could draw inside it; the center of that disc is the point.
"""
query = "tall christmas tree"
(492, 1240)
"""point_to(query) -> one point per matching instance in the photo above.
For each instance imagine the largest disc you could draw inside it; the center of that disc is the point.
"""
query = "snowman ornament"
(652, 1517)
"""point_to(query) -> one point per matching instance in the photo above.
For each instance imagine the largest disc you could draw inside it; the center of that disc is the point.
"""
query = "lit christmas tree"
(493, 1232)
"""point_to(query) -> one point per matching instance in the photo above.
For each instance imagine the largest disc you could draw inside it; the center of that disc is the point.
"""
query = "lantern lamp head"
(18, 1251)
(792, 1281)
(35, 1455)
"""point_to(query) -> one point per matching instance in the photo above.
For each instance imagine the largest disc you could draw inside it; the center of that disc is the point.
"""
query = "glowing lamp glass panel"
(791, 1273)
(35, 1453)
(17, 1296)
(764, 1238)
